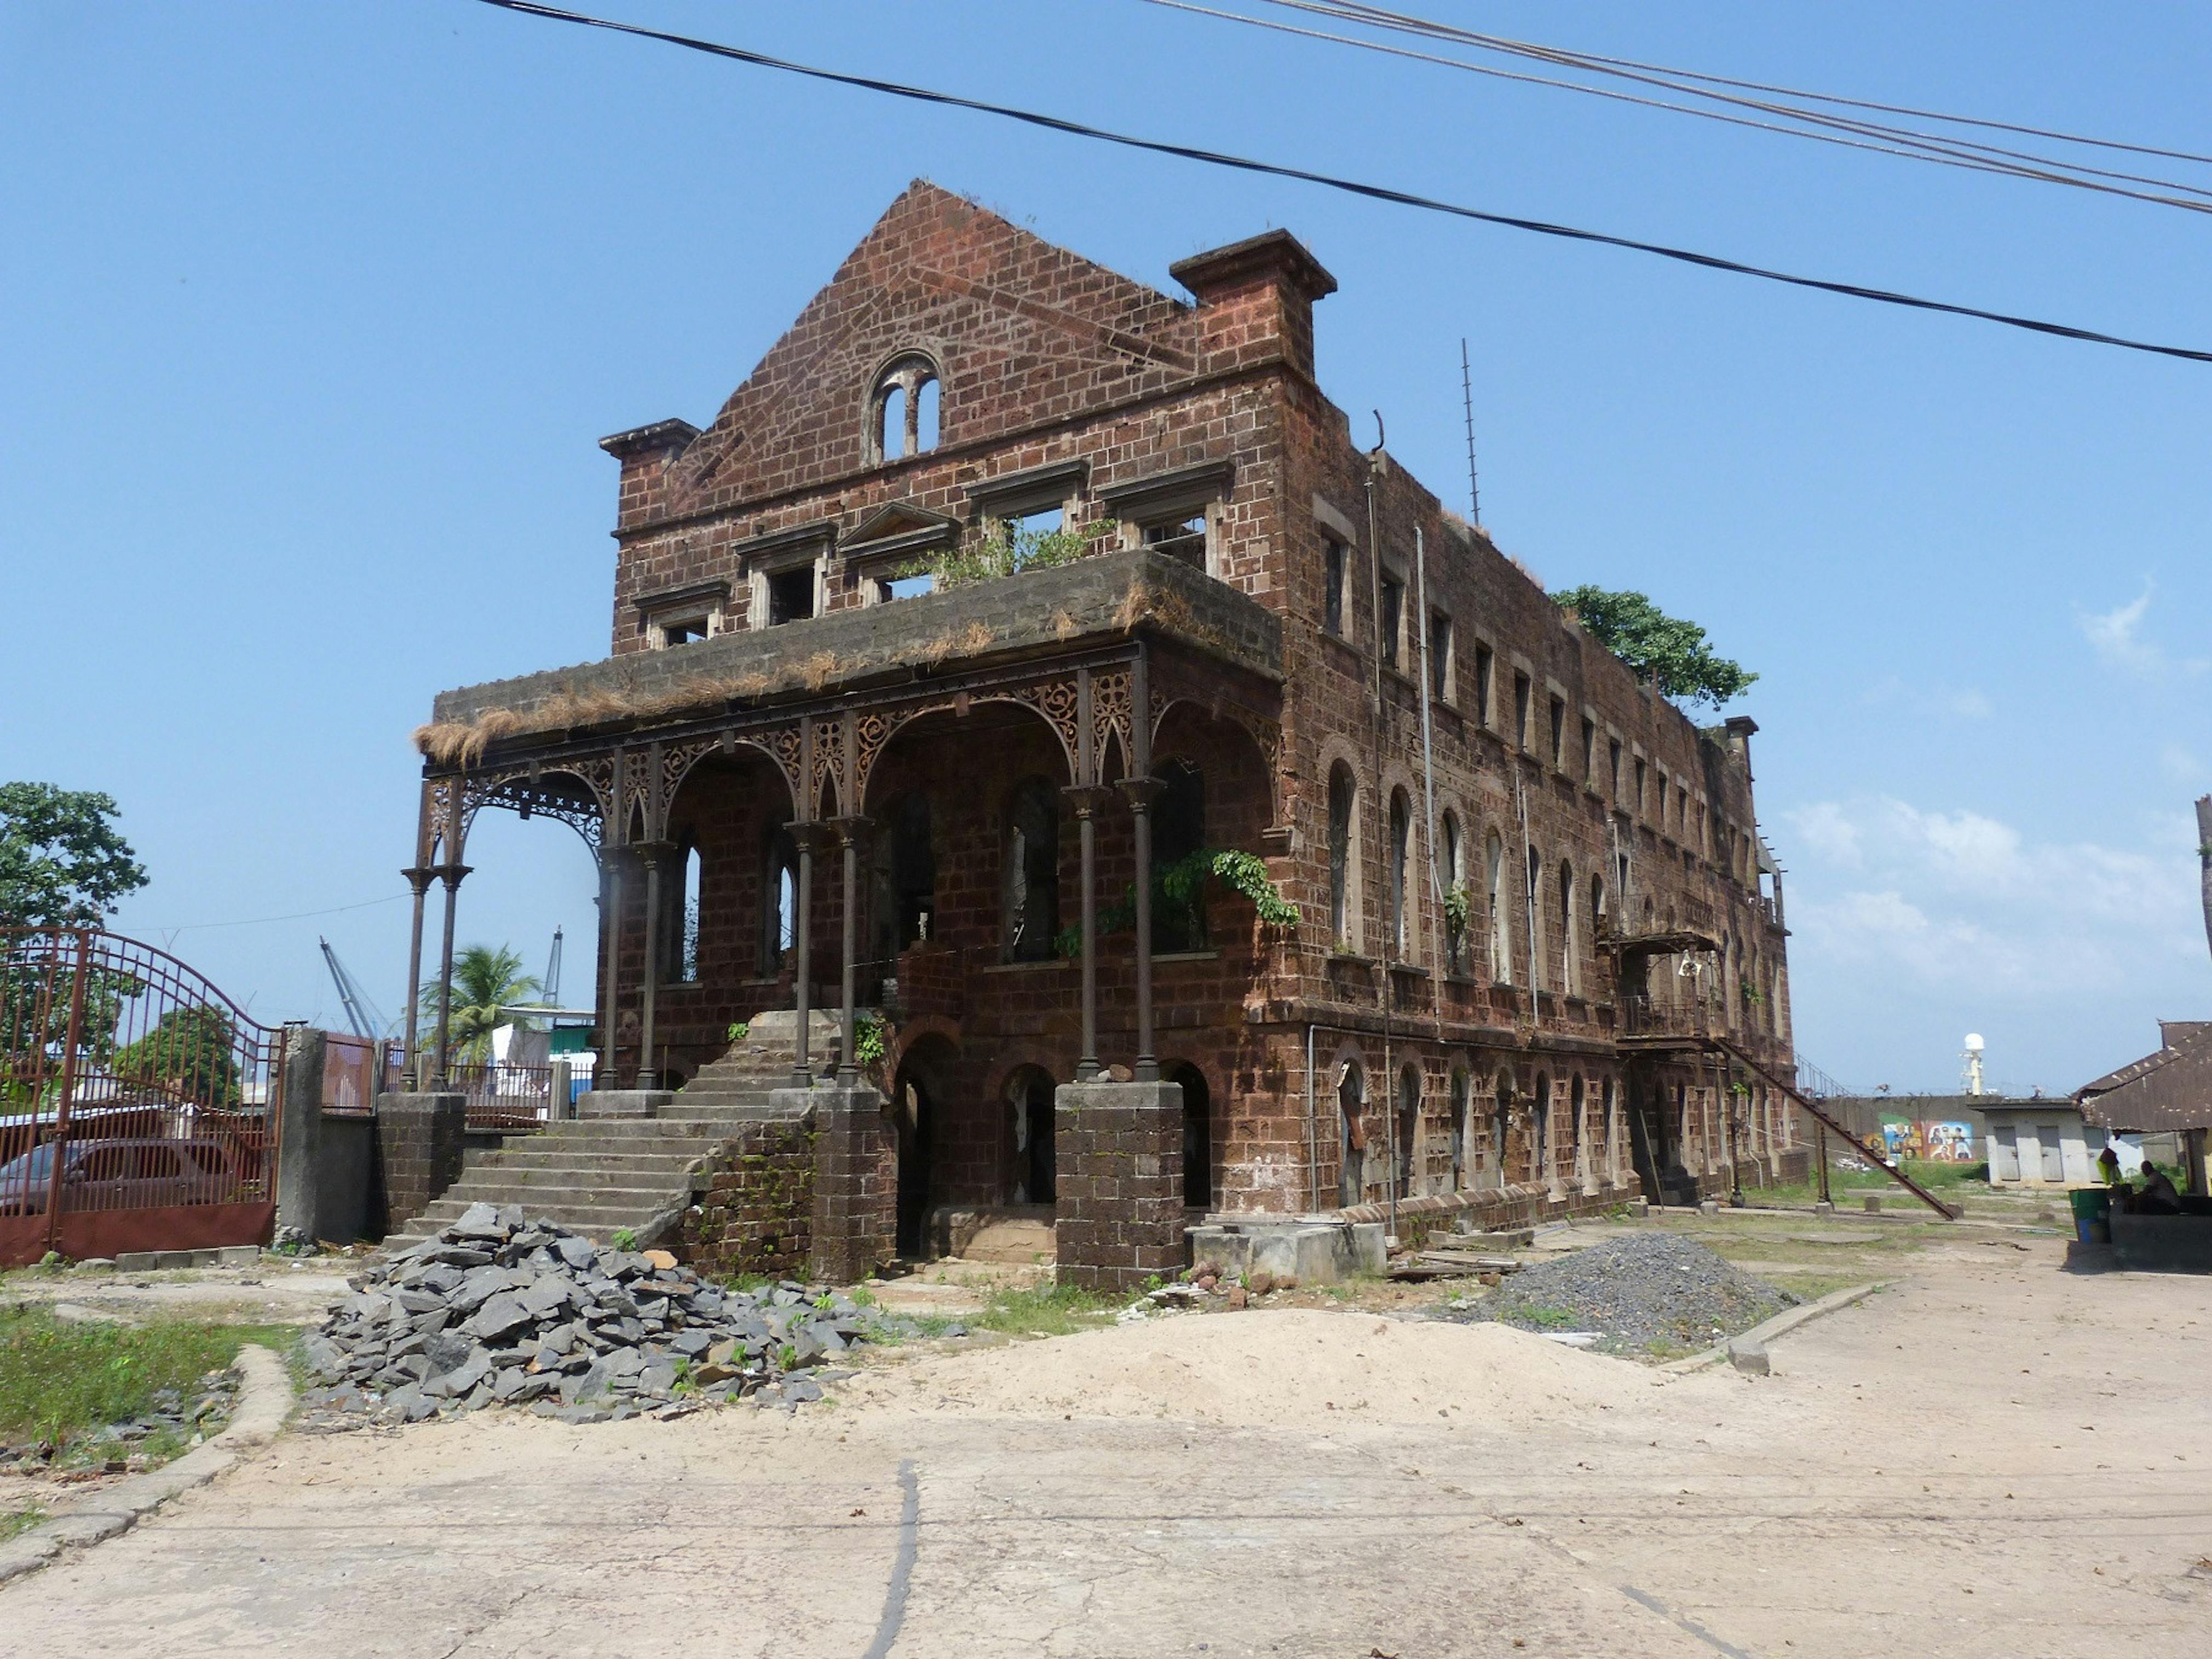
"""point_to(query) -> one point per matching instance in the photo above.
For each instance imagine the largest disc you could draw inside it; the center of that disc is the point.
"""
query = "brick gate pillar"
(419, 1139)
(1119, 1208)
(855, 1182)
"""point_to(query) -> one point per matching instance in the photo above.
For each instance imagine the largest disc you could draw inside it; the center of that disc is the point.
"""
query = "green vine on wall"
(1180, 888)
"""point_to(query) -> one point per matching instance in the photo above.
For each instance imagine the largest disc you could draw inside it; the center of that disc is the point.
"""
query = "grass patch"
(1044, 1310)
(1811, 1287)
(15, 1523)
(62, 1378)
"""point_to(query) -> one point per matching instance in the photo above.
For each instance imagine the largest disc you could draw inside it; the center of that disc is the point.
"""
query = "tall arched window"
(1501, 1119)
(1570, 962)
(1609, 1122)
(1178, 835)
(1501, 933)
(778, 899)
(1197, 1160)
(1577, 1101)
(903, 395)
(1454, 877)
(1401, 837)
(1533, 886)
(1462, 1091)
(1598, 917)
(1343, 796)
(1351, 1106)
(680, 922)
(1409, 1127)
(1032, 872)
(1539, 1132)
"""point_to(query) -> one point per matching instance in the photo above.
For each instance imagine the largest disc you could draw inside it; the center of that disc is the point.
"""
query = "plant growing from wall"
(1458, 905)
(1671, 653)
(1180, 888)
(1005, 550)
(868, 1045)
(741, 1030)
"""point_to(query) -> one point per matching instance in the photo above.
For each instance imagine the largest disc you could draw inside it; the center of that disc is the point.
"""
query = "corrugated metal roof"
(2170, 1089)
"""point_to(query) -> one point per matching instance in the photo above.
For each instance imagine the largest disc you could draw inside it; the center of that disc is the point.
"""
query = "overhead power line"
(1816, 126)
(1350, 187)
(1383, 19)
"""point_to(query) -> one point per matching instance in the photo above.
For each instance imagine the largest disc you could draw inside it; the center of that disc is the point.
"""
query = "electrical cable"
(1350, 187)
(1382, 19)
(1879, 138)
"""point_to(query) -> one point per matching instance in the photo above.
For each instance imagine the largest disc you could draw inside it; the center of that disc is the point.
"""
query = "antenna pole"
(1467, 401)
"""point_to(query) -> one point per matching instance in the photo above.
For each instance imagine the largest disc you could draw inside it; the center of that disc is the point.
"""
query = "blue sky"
(313, 314)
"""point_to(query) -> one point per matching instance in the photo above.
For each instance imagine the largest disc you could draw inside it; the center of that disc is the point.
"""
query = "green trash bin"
(2093, 1214)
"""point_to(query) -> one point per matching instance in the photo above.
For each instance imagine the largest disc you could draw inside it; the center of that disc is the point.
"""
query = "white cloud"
(1970, 705)
(2116, 636)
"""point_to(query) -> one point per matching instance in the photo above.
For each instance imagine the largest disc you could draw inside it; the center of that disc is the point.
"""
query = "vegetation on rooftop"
(1671, 653)
(1005, 550)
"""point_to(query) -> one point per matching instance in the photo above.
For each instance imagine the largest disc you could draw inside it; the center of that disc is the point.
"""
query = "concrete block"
(1748, 1355)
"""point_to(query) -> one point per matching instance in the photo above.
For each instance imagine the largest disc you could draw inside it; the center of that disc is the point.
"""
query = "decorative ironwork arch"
(1053, 701)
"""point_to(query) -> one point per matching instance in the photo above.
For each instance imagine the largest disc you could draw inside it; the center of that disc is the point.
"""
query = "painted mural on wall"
(1936, 1140)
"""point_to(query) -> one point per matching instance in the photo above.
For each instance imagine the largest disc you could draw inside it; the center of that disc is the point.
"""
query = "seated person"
(2158, 1196)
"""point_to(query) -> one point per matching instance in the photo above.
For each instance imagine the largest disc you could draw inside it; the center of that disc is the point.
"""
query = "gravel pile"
(500, 1309)
(1634, 1293)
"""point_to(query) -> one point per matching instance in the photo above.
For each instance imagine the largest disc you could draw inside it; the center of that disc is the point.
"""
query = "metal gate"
(138, 1105)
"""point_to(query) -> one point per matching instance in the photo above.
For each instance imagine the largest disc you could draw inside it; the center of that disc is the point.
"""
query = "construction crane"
(365, 1016)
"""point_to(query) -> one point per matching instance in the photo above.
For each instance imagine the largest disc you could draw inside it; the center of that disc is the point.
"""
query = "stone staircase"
(597, 1174)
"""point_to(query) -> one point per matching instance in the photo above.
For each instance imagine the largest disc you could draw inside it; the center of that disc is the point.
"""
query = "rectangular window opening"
(904, 587)
(1440, 657)
(1589, 751)
(1520, 693)
(1180, 538)
(684, 632)
(1613, 760)
(1390, 622)
(1482, 667)
(1559, 733)
(1334, 571)
(791, 596)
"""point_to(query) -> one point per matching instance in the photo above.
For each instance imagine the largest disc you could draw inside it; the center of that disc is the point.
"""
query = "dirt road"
(1996, 1458)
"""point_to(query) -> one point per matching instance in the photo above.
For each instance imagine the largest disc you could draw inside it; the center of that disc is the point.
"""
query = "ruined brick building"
(1526, 888)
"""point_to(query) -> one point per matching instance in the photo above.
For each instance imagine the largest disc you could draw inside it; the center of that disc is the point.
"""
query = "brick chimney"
(1255, 300)
(646, 453)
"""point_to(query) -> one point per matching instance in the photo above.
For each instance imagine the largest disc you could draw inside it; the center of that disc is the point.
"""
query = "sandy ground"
(1996, 1458)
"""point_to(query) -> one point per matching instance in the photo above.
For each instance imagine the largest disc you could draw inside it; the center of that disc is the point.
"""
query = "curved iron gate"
(138, 1104)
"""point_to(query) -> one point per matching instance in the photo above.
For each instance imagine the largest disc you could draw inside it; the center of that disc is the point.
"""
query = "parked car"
(139, 1173)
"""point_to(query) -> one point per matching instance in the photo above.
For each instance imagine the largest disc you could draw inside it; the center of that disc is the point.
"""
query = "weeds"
(1045, 1310)
(59, 1379)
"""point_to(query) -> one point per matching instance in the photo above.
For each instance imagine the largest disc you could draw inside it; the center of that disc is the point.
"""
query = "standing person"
(2108, 1161)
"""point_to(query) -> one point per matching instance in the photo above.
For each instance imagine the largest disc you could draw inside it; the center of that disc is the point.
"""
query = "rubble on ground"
(1651, 1293)
(174, 1420)
(502, 1310)
(1205, 1288)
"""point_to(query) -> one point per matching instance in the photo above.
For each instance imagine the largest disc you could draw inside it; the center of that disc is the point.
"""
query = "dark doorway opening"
(913, 1114)
(1031, 1097)
(1198, 1185)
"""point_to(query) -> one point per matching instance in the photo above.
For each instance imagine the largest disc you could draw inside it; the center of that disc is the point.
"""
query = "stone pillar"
(855, 1227)
(419, 1139)
(300, 1134)
(1118, 1149)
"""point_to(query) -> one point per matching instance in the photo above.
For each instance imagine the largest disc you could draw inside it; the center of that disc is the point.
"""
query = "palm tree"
(488, 984)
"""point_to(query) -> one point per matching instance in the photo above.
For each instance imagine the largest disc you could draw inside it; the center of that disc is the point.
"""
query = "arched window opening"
(680, 922)
(1539, 1132)
(1030, 1099)
(780, 900)
(1351, 1106)
(1533, 889)
(1501, 937)
(1198, 1159)
(1609, 1130)
(1570, 964)
(1600, 922)
(1461, 1154)
(891, 423)
(1456, 897)
(1032, 872)
(1178, 837)
(1409, 1128)
(1501, 1120)
(1342, 795)
(1575, 1102)
(904, 412)
(1402, 837)
(926, 402)
(905, 875)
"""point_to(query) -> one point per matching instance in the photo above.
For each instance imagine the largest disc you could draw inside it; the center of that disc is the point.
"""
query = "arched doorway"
(1031, 1099)
(1351, 1102)
(1198, 1170)
(919, 1093)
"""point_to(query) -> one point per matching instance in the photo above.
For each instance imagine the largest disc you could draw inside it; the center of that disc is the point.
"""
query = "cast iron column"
(649, 1075)
(1140, 786)
(1085, 804)
(802, 1075)
(419, 877)
(849, 831)
(602, 1074)
(451, 874)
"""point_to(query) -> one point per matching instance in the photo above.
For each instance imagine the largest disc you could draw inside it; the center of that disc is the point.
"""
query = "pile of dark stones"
(503, 1310)
(1653, 1295)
